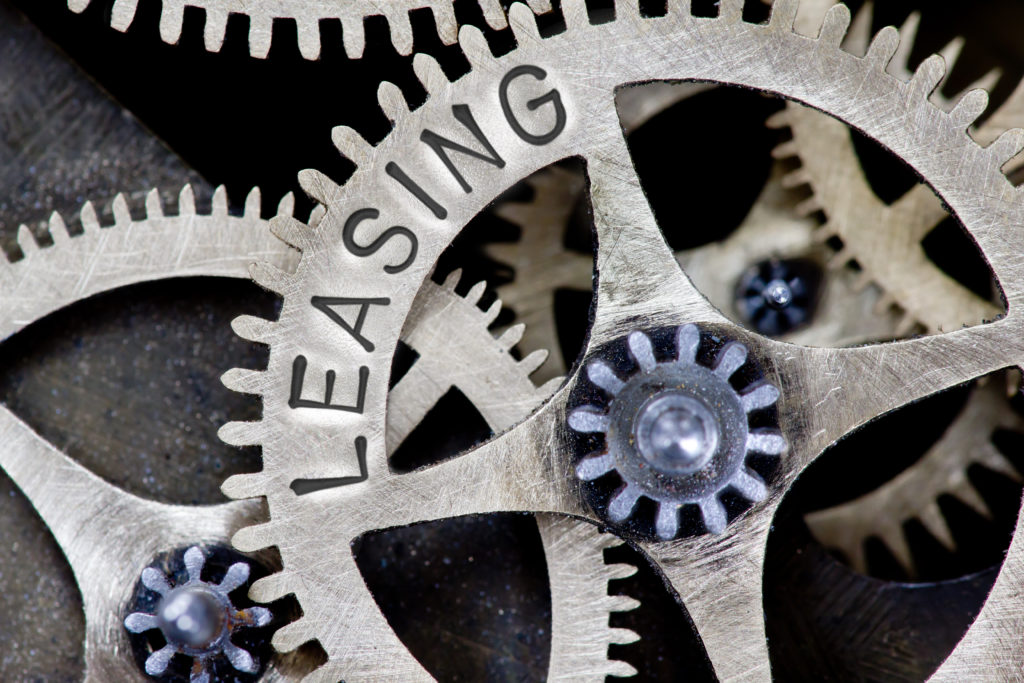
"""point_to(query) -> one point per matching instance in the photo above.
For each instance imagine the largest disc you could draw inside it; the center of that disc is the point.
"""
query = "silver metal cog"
(548, 99)
(162, 246)
(307, 15)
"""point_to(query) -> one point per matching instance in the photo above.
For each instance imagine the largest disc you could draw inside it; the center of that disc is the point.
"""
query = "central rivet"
(192, 616)
(676, 433)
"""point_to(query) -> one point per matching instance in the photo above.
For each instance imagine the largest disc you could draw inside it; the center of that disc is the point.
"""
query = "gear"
(676, 432)
(518, 116)
(914, 493)
(162, 246)
(307, 15)
(197, 619)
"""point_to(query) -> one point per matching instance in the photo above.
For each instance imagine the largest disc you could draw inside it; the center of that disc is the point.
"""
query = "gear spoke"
(636, 269)
(80, 509)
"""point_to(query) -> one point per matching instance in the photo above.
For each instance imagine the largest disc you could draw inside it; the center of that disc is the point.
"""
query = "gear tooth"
(392, 102)
(171, 19)
(594, 466)
(122, 214)
(291, 636)
(154, 206)
(950, 52)
(351, 144)
(928, 76)
(272, 588)
(641, 350)
(78, 6)
(243, 486)
(834, 26)
(627, 9)
(291, 231)
(622, 636)
(401, 31)
(270, 277)
(680, 7)
(445, 22)
(766, 441)
(253, 538)
(241, 433)
(511, 336)
(539, 6)
(622, 503)
(216, 27)
(750, 486)
(319, 186)
(317, 215)
(713, 513)
(533, 361)
(731, 10)
(623, 603)
(261, 35)
(26, 240)
(451, 280)
(894, 539)
(353, 36)
(783, 15)
(809, 206)
(524, 24)
(575, 14)
(796, 178)
(87, 216)
(908, 36)
(840, 258)
(619, 668)
(122, 14)
(187, 202)
(58, 229)
(220, 201)
(883, 48)
(787, 149)
(859, 34)
(550, 387)
(308, 35)
(934, 521)
(968, 109)
(492, 312)
(475, 292)
(778, 120)
(966, 493)
(667, 523)
(253, 328)
(244, 381)
(493, 13)
(429, 73)
(286, 207)
(884, 303)
(730, 359)
(474, 46)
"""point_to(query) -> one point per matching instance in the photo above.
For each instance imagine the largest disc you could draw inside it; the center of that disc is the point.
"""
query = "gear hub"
(675, 432)
(778, 295)
(197, 619)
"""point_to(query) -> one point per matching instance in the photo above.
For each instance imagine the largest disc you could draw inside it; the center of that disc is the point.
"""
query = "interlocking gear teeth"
(197, 618)
(676, 432)
(307, 15)
(803, 69)
(499, 387)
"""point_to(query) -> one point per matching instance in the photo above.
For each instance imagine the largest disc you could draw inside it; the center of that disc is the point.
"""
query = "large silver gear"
(307, 15)
(220, 244)
(548, 99)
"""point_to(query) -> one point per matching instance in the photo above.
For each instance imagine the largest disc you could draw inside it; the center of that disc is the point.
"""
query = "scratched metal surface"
(42, 641)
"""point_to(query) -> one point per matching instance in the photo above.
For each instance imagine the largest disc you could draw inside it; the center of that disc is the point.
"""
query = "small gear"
(198, 619)
(677, 432)
(307, 15)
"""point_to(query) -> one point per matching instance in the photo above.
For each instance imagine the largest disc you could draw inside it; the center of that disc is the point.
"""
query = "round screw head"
(192, 616)
(676, 433)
